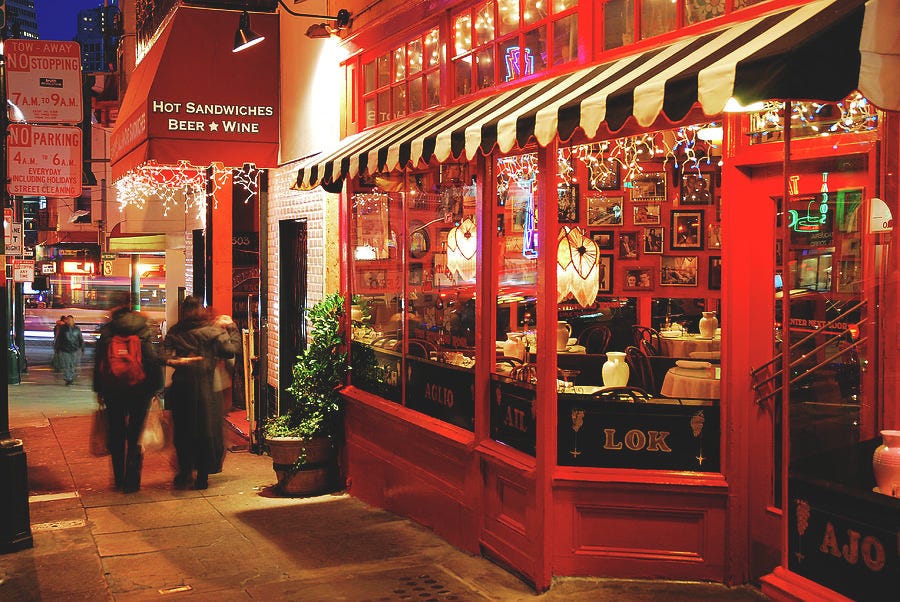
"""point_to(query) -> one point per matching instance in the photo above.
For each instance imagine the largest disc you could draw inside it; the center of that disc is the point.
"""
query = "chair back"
(647, 339)
(595, 338)
(641, 373)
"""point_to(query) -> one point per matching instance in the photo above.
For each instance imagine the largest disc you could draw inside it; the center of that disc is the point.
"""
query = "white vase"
(886, 464)
(708, 324)
(615, 371)
(514, 346)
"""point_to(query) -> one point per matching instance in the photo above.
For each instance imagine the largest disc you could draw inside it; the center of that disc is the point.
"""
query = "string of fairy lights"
(184, 186)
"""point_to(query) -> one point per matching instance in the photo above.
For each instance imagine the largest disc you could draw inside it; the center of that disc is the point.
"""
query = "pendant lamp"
(577, 266)
(462, 246)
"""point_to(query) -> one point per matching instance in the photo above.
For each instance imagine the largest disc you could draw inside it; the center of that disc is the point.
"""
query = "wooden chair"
(647, 339)
(641, 374)
(623, 394)
(595, 338)
(421, 348)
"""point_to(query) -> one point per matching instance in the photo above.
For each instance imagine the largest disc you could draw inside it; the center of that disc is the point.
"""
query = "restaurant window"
(853, 115)
(505, 40)
(657, 17)
(639, 222)
(515, 374)
(413, 275)
(403, 80)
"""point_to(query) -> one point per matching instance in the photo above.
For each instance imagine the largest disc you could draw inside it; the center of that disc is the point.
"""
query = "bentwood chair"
(647, 339)
(641, 373)
(595, 338)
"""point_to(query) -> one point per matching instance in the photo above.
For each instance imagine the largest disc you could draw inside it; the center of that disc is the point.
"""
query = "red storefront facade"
(483, 400)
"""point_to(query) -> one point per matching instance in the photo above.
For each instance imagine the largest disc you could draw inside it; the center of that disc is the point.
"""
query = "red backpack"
(124, 361)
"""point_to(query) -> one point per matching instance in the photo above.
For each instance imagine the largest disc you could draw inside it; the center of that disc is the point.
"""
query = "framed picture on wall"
(715, 273)
(638, 279)
(697, 188)
(646, 214)
(604, 210)
(605, 175)
(567, 205)
(415, 274)
(679, 270)
(605, 264)
(372, 279)
(654, 239)
(649, 187)
(605, 239)
(687, 230)
(628, 245)
(714, 236)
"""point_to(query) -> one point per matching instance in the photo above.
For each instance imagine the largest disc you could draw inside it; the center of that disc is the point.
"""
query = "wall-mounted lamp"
(245, 37)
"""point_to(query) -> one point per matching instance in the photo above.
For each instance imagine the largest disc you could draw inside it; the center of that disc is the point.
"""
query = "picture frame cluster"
(659, 228)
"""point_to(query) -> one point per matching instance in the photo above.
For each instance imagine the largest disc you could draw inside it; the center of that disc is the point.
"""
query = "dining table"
(692, 380)
(682, 344)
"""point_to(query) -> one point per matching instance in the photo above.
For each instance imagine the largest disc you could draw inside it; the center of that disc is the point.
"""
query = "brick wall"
(323, 269)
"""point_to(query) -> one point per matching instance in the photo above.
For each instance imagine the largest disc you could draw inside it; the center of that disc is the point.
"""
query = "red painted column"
(221, 248)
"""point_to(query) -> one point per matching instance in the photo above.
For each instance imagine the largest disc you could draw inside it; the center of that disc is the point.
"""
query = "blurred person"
(193, 347)
(126, 390)
(69, 346)
(54, 362)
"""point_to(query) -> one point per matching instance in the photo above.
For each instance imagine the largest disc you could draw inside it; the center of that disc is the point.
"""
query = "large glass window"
(403, 80)
(504, 40)
(639, 278)
(413, 278)
(515, 372)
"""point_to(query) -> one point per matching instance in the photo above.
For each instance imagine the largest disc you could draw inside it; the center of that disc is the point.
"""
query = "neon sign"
(815, 216)
(514, 65)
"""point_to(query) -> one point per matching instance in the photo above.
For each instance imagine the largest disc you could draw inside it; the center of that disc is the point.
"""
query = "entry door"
(763, 434)
(292, 249)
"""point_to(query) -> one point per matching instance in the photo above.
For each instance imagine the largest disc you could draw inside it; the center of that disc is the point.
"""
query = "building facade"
(527, 188)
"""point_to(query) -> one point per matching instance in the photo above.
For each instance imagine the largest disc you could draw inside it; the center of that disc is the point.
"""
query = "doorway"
(292, 250)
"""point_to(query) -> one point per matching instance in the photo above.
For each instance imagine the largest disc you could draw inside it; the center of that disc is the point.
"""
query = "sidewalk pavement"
(237, 540)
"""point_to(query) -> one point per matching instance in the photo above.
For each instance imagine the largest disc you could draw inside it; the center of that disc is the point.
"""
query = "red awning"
(192, 99)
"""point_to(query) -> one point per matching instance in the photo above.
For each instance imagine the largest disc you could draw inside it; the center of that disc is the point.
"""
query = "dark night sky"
(57, 19)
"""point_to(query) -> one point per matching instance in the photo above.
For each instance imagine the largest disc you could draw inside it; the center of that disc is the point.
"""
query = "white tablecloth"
(682, 346)
(692, 383)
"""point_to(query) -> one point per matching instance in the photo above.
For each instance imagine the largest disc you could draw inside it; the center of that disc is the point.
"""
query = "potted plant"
(301, 440)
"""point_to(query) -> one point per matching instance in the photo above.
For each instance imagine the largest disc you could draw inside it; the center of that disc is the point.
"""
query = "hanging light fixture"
(462, 246)
(245, 37)
(577, 266)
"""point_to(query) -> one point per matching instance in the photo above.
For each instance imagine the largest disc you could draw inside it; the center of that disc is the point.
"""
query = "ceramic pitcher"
(563, 332)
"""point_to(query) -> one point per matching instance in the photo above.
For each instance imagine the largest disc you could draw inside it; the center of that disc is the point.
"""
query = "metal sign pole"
(15, 522)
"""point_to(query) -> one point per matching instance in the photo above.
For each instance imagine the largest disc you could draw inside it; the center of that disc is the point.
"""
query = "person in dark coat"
(126, 405)
(69, 346)
(194, 347)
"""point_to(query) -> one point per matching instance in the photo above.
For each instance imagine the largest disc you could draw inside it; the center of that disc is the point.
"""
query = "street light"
(245, 37)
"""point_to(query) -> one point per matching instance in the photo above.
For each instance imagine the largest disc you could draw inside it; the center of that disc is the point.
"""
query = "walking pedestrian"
(69, 346)
(127, 374)
(193, 346)
(54, 363)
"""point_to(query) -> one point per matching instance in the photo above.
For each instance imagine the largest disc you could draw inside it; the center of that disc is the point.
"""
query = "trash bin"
(12, 366)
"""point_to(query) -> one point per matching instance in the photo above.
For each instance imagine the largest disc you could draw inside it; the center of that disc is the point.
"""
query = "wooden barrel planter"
(311, 477)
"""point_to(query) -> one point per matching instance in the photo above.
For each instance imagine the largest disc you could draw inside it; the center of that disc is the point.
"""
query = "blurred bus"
(88, 299)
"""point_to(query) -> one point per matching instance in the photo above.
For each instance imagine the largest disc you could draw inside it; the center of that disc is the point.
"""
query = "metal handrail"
(758, 384)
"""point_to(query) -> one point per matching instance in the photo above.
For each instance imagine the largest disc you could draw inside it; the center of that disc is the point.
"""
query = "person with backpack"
(194, 346)
(127, 374)
(68, 346)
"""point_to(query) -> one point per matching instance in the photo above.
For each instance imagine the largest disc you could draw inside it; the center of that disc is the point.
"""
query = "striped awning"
(811, 51)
